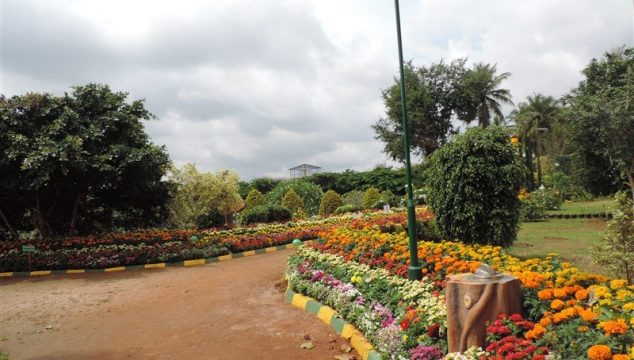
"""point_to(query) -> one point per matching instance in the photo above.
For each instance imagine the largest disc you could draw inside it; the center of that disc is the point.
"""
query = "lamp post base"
(414, 273)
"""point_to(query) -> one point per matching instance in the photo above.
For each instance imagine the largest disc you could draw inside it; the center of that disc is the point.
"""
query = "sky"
(262, 86)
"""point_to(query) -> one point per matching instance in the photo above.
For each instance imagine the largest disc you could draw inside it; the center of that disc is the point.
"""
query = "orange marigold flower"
(599, 352)
(559, 293)
(581, 294)
(545, 294)
(588, 315)
(545, 321)
(613, 327)
(536, 333)
(583, 328)
(621, 357)
(557, 304)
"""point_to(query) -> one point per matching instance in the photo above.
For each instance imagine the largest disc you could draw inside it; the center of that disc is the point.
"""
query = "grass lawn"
(573, 239)
(600, 205)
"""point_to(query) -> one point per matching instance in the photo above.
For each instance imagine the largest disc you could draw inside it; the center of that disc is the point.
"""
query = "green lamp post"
(414, 270)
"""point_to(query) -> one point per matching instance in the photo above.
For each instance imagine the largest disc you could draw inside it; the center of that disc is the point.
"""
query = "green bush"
(255, 198)
(547, 198)
(293, 202)
(354, 198)
(388, 198)
(371, 197)
(474, 181)
(428, 231)
(329, 203)
(532, 210)
(347, 209)
(265, 214)
(309, 192)
(616, 252)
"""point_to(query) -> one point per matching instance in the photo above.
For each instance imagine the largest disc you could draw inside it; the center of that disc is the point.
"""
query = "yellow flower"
(622, 294)
(617, 284)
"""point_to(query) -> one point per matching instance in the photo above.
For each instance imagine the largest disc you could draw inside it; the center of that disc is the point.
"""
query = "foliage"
(601, 113)
(228, 200)
(294, 203)
(79, 162)
(434, 96)
(329, 203)
(309, 192)
(193, 197)
(265, 214)
(388, 198)
(254, 198)
(474, 181)
(617, 250)
(347, 209)
(353, 198)
(565, 186)
(547, 198)
(428, 231)
(532, 209)
(481, 85)
(371, 197)
(382, 177)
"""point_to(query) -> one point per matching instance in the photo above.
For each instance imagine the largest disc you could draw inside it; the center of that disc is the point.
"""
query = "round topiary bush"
(254, 198)
(293, 202)
(371, 197)
(474, 181)
(309, 192)
(329, 203)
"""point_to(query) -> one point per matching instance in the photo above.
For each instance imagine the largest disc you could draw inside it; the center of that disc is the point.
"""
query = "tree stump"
(473, 300)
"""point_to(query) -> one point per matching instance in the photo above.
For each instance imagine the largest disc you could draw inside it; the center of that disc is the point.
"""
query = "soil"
(228, 310)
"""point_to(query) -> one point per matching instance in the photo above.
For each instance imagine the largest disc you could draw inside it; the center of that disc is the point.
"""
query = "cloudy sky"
(261, 86)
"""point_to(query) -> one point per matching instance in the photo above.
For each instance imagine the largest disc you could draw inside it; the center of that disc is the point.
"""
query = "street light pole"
(414, 270)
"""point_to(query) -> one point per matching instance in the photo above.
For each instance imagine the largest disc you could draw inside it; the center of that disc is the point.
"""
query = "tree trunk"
(630, 178)
(73, 216)
(39, 221)
(8, 224)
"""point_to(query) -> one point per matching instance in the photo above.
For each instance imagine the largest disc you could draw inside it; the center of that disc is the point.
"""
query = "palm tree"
(483, 87)
(539, 113)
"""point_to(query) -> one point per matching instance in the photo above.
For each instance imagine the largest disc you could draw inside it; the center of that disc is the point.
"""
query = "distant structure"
(303, 170)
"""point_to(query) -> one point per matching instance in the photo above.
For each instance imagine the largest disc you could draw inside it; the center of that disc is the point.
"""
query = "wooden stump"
(473, 301)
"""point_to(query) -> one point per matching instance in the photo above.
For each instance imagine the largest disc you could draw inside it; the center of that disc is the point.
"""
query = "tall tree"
(602, 121)
(434, 96)
(482, 85)
(64, 158)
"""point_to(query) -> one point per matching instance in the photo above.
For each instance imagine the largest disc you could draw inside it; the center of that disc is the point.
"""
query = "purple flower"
(422, 352)
(317, 275)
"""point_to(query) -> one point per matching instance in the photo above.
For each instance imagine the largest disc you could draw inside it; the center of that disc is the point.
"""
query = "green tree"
(434, 96)
(353, 198)
(255, 198)
(309, 192)
(602, 121)
(482, 86)
(194, 197)
(293, 202)
(616, 252)
(371, 197)
(228, 200)
(79, 162)
(329, 203)
(473, 185)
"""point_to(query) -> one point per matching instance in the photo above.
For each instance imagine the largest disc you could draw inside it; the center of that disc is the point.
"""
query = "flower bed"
(573, 312)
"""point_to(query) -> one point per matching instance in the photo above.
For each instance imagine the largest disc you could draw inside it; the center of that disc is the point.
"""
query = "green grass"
(600, 205)
(572, 239)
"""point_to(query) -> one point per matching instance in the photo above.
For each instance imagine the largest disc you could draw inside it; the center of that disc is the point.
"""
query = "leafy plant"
(346, 209)
(371, 197)
(294, 203)
(309, 192)
(254, 198)
(265, 214)
(329, 203)
(474, 181)
(353, 198)
(532, 210)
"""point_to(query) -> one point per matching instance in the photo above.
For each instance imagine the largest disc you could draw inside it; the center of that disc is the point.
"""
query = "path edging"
(194, 262)
(329, 316)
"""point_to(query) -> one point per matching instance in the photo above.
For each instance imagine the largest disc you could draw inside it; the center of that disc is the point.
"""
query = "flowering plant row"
(577, 315)
(402, 319)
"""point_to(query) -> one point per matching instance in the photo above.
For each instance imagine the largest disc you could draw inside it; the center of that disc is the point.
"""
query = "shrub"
(371, 197)
(309, 192)
(293, 202)
(428, 231)
(347, 209)
(255, 198)
(547, 198)
(329, 203)
(474, 181)
(532, 210)
(388, 198)
(354, 198)
(265, 214)
(616, 252)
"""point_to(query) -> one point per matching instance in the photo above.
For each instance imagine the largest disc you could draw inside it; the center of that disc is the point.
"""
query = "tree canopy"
(78, 162)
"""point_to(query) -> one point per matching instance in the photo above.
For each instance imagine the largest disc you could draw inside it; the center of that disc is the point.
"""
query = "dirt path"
(228, 310)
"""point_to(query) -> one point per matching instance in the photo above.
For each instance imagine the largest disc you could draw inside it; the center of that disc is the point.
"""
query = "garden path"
(228, 310)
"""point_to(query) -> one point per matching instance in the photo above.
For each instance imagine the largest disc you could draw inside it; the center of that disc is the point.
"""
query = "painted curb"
(329, 316)
(194, 262)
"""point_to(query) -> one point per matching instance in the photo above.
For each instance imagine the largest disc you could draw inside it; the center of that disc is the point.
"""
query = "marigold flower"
(621, 357)
(617, 284)
(613, 327)
(599, 352)
(583, 328)
(557, 304)
(588, 315)
(559, 293)
(545, 321)
(545, 294)
(581, 294)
